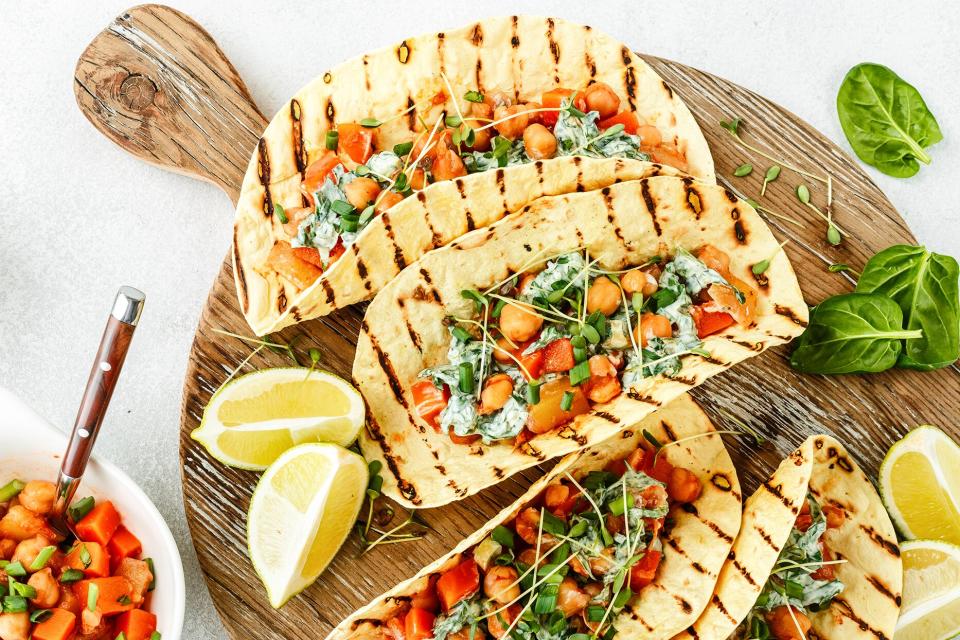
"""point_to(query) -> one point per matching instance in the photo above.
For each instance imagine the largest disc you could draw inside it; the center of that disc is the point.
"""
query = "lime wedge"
(253, 419)
(300, 514)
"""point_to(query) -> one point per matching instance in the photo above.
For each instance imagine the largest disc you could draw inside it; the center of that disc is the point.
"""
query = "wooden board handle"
(157, 84)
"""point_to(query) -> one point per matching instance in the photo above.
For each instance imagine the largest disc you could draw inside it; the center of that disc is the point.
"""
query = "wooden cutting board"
(157, 84)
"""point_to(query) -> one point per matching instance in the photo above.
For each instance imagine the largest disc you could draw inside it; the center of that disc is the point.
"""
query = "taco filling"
(802, 581)
(543, 347)
(564, 567)
(354, 180)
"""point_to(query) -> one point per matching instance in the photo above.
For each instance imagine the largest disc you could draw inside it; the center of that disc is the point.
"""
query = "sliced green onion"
(93, 594)
(595, 613)
(580, 373)
(11, 490)
(331, 140)
(580, 354)
(636, 301)
(403, 148)
(366, 215)
(466, 377)
(71, 575)
(503, 536)
(40, 615)
(590, 333)
(498, 308)
(533, 393)
(79, 509)
(566, 401)
(15, 569)
(462, 334)
(370, 123)
(23, 590)
(41, 560)
(85, 557)
(616, 505)
(553, 524)
(155, 635)
(342, 207)
(578, 342)
(280, 213)
(153, 572)
(478, 298)
(349, 225)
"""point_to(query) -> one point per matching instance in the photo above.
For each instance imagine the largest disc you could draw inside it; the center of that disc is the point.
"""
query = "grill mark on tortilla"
(607, 416)
(580, 186)
(328, 290)
(669, 430)
(743, 571)
(788, 313)
(299, 154)
(476, 36)
(753, 346)
(463, 198)
(387, 368)
(713, 526)
(569, 433)
(554, 49)
(327, 77)
(718, 603)
(500, 185)
(766, 536)
(667, 88)
(730, 195)
(883, 589)
(403, 52)
(362, 272)
(777, 493)
(629, 78)
(591, 65)
(687, 380)
(295, 312)
(435, 240)
(411, 115)
(433, 290)
(880, 541)
(282, 300)
(515, 39)
(650, 202)
(738, 231)
(847, 611)
(760, 278)
(611, 216)
(539, 166)
(263, 170)
(330, 111)
(498, 472)
(241, 276)
(397, 251)
(374, 622)
(442, 469)
(440, 42)
(414, 336)
(692, 198)
(634, 395)
(373, 428)
(716, 361)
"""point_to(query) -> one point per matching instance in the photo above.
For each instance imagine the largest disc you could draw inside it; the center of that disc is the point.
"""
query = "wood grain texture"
(201, 121)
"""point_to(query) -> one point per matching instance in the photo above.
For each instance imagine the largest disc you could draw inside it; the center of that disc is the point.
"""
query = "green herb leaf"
(852, 333)
(503, 536)
(453, 121)
(732, 126)
(743, 170)
(153, 572)
(280, 213)
(342, 207)
(473, 96)
(803, 193)
(760, 267)
(403, 148)
(579, 374)
(925, 287)
(886, 120)
(15, 569)
(370, 123)
(461, 334)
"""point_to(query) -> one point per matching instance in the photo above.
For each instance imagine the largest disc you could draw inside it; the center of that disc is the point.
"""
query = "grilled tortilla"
(403, 331)
(872, 576)
(698, 541)
(521, 56)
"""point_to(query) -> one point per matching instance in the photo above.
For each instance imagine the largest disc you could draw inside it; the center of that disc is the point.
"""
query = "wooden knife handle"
(103, 379)
(157, 84)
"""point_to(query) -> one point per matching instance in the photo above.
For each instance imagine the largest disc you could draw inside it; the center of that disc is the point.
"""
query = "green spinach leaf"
(925, 285)
(886, 120)
(852, 333)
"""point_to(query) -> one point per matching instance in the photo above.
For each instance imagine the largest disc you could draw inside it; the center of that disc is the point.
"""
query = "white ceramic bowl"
(31, 449)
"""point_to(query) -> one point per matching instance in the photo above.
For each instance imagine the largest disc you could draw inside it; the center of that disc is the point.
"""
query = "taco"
(816, 557)
(362, 137)
(627, 541)
(560, 325)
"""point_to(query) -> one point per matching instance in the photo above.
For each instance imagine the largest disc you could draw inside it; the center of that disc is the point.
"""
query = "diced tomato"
(458, 583)
(548, 414)
(98, 525)
(122, 545)
(395, 629)
(635, 460)
(318, 170)
(627, 118)
(558, 356)
(418, 625)
(309, 254)
(89, 557)
(644, 571)
(710, 322)
(532, 364)
(826, 571)
(804, 520)
(835, 515)
(724, 298)
(427, 597)
(429, 401)
(440, 98)
(552, 99)
(284, 261)
(338, 250)
(136, 624)
(659, 468)
(356, 141)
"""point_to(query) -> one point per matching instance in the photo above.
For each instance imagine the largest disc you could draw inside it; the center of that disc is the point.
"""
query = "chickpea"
(14, 626)
(639, 281)
(361, 191)
(468, 633)
(481, 138)
(496, 392)
(48, 590)
(497, 99)
(649, 136)
(448, 165)
(502, 351)
(539, 142)
(387, 200)
(556, 494)
(515, 120)
(528, 524)
(603, 296)
(601, 98)
(651, 326)
(28, 550)
(604, 385)
(784, 627)
(39, 496)
(714, 258)
(482, 111)
(500, 584)
(683, 485)
(525, 281)
(571, 600)
(20, 523)
(6, 548)
(519, 324)
(529, 556)
(498, 624)
(69, 600)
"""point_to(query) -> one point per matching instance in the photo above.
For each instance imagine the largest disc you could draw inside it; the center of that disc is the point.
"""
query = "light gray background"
(78, 216)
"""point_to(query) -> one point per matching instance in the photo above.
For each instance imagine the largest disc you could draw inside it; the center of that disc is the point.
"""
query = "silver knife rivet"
(105, 366)
(83, 433)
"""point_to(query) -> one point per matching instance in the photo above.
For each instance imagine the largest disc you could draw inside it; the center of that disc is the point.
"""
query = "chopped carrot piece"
(98, 525)
(114, 594)
(91, 558)
(122, 545)
(59, 626)
(136, 624)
